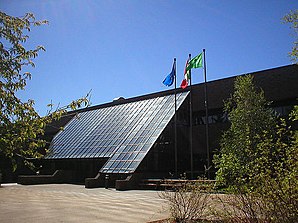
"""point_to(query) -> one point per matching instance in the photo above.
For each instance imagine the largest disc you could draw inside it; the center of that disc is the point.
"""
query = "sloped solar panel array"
(124, 133)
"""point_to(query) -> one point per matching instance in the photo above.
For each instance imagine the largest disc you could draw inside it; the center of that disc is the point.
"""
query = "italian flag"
(184, 83)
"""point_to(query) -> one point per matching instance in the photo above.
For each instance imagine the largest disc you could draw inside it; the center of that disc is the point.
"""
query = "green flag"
(195, 62)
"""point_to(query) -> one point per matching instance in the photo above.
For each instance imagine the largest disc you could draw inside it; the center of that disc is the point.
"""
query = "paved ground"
(74, 203)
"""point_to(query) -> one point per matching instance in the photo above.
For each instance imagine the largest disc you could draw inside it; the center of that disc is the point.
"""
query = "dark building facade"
(131, 139)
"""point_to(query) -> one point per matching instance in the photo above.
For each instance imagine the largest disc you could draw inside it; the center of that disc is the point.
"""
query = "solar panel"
(123, 133)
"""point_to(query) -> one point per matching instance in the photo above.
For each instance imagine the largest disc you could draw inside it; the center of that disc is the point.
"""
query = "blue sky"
(126, 47)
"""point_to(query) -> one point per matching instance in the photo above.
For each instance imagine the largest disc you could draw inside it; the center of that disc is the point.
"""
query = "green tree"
(251, 120)
(21, 127)
(292, 18)
(258, 156)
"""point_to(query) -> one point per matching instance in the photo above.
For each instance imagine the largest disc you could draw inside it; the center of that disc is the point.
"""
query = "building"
(127, 140)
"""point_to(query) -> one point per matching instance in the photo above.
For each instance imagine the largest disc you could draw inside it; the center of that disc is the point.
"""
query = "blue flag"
(168, 81)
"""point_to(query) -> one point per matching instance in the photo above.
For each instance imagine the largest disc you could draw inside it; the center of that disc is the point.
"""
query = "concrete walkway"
(74, 203)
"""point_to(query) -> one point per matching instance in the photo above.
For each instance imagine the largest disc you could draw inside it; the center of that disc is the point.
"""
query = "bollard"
(107, 181)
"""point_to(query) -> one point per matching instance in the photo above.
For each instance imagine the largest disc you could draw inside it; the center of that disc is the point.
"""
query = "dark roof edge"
(252, 73)
(167, 92)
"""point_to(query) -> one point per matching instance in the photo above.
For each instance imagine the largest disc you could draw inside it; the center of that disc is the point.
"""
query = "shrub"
(188, 202)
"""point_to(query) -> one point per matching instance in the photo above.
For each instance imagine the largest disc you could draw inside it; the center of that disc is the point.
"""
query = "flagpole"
(190, 123)
(176, 151)
(206, 111)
